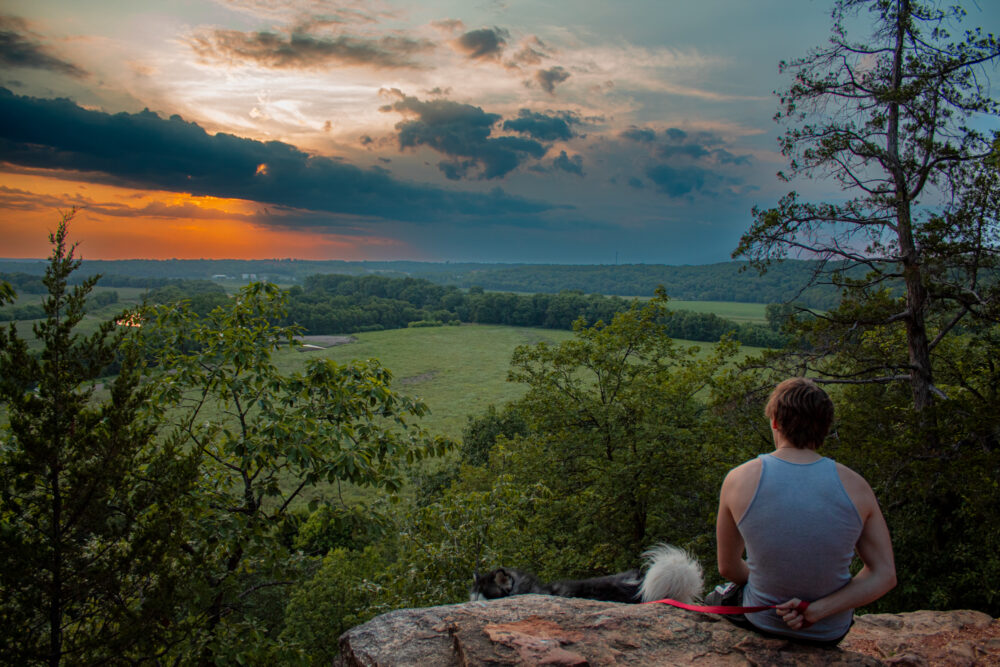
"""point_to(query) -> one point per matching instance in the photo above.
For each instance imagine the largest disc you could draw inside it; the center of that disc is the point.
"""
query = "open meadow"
(737, 311)
(457, 371)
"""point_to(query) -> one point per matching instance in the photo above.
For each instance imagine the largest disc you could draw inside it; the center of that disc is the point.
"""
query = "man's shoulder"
(747, 467)
(745, 473)
(858, 489)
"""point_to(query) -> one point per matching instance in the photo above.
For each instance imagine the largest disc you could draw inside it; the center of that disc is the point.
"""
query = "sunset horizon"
(498, 132)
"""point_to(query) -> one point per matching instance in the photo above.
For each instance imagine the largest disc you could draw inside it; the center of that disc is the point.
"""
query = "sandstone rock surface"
(544, 630)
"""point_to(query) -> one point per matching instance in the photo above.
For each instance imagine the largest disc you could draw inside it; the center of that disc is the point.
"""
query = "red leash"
(725, 609)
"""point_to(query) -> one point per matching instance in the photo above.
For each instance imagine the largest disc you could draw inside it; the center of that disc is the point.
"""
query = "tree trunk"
(55, 594)
(917, 343)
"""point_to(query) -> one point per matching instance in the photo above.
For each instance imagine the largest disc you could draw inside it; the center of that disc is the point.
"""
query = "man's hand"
(794, 613)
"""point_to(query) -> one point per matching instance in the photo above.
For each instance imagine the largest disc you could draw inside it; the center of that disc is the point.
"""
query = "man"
(800, 517)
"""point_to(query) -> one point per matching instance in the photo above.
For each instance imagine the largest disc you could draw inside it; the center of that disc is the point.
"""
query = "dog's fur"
(669, 573)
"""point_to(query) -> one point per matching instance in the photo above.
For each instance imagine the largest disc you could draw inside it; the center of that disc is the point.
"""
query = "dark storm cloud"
(548, 79)
(698, 146)
(461, 132)
(677, 182)
(483, 43)
(639, 134)
(675, 134)
(146, 151)
(19, 49)
(302, 50)
(543, 127)
(693, 151)
(573, 165)
(725, 157)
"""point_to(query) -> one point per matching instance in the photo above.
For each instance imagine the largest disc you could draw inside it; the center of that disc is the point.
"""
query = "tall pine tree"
(91, 510)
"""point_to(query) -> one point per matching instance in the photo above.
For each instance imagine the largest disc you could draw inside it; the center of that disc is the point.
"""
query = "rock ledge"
(544, 630)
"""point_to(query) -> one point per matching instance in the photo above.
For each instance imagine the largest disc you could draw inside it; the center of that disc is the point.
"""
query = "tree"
(914, 245)
(270, 440)
(481, 433)
(91, 504)
(894, 122)
(617, 419)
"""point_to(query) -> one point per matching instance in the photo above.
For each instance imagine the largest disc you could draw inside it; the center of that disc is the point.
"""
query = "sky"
(577, 131)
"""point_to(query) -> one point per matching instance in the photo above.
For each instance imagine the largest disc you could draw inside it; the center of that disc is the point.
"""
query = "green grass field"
(737, 311)
(456, 371)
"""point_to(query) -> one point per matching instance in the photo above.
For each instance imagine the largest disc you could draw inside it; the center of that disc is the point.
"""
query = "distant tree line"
(29, 284)
(728, 281)
(24, 283)
(338, 304)
(724, 281)
(335, 304)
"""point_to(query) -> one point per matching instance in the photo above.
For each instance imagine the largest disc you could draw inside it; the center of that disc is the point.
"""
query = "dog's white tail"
(671, 573)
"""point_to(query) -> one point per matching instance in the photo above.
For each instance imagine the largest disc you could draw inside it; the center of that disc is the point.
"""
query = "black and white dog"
(669, 573)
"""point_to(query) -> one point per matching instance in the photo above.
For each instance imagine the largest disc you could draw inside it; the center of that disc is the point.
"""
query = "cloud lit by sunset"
(339, 129)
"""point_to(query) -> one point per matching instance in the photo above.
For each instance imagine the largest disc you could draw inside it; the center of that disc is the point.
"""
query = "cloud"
(485, 43)
(17, 49)
(639, 134)
(678, 182)
(548, 79)
(463, 133)
(675, 134)
(531, 53)
(144, 150)
(287, 10)
(725, 157)
(23, 200)
(301, 50)
(693, 151)
(449, 25)
(699, 146)
(573, 165)
(678, 163)
(543, 127)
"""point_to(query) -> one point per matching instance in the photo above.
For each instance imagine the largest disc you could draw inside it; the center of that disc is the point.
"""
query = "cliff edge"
(544, 630)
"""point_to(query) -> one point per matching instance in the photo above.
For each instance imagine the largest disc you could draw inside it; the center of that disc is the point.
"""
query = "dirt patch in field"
(324, 342)
(417, 379)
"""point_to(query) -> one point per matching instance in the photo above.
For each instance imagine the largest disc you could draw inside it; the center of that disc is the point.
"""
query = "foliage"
(201, 295)
(28, 311)
(329, 528)
(91, 507)
(267, 440)
(618, 421)
(892, 121)
(341, 595)
(481, 433)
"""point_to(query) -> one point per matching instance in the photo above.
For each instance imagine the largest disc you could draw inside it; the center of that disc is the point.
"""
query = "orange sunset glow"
(114, 222)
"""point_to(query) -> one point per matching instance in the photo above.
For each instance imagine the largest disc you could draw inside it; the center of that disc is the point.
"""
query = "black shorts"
(732, 596)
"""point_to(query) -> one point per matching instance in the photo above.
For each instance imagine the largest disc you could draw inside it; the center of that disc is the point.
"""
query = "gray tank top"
(800, 530)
